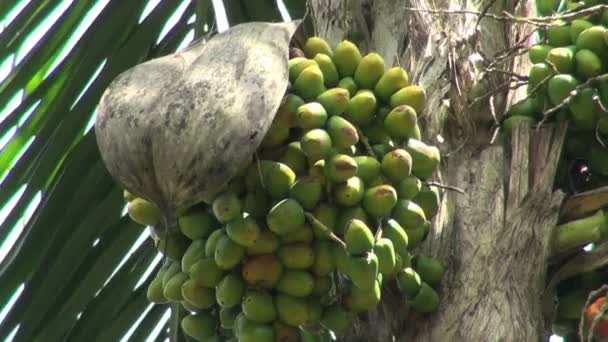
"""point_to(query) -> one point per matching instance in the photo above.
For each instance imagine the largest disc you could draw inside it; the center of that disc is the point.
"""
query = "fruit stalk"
(318, 224)
(575, 233)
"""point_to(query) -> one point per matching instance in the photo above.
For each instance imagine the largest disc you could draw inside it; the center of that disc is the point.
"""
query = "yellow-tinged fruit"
(195, 251)
(307, 191)
(427, 300)
(380, 200)
(143, 212)
(296, 283)
(425, 158)
(358, 238)
(197, 224)
(263, 271)
(173, 289)
(226, 207)
(258, 306)
(359, 300)
(228, 253)
(298, 66)
(343, 134)
(335, 100)
(328, 68)
(390, 82)
(369, 71)
(349, 84)
(230, 290)
(347, 57)
(397, 165)
(363, 270)
(297, 256)
(311, 115)
(413, 96)
(400, 122)
(409, 214)
(316, 144)
(128, 196)
(348, 214)
(276, 135)
(205, 272)
(315, 45)
(562, 58)
(340, 167)
(198, 296)
(200, 327)
(278, 178)
(310, 83)
(349, 193)
(362, 108)
(243, 231)
(285, 216)
(286, 114)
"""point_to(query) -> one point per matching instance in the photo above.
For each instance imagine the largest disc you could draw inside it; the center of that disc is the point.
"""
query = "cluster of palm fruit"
(329, 210)
(567, 55)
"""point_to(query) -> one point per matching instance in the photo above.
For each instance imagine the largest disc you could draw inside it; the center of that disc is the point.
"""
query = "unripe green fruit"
(390, 82)
(291, 310)
(226, 207)
(285, 216)
(328, 68)
(335, 100)
(173, 289)
(297, 256)
(286, 114)
(349, 84)
(385, 252)
(588, 64)
(197, 224)
(173, 246)
(285, 333)
(197, 296)
(316, 144)
(583, 109)
(296, 283)
(400, 122)
(205, 272)
(154, 292)
(340, 167)
(364, 270)
(538, 53)
(304, 233)
(263, 271)
(169, 272)
(212, 242)
(295, 158)
(336, 319)
(310, 83)
(358, 238)
(343, 134)
(393, 231)
(409, 187)
(593, 39)
(228, 317)
(228, 254)
(368, 168)
(380, 200)
(369, 71)
(397, 165)
(341, 258)
(317, 171)
(200, 326)
(427, 300)
(256, 203)
(429, 269)
(259, 307)
(413, 96)
(256, 332)
(298, 66)
(349, 193)
(276, 135)
(538, 73)
(348, 214)
(559, 35)
(327, 215)
(375, 132)
(230, 290)
(359, 300)
(143, 212)
(322, 285)
(562, 58)
(409, 214)
(278, 178)
(559, 88)
(417, 235)
(425, 158)
(409, 281)
(195, 251)
(347, 57)
(307, 191)
(429, 200)
(324, 263)
(576, 27)
(315, 45)
(311, 115)
(361, 108)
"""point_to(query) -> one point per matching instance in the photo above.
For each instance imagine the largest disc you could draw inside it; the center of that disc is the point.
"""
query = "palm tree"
(75, 267)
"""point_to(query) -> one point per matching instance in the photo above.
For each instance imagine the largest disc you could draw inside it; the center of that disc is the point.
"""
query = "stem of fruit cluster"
(579, 232)
(313, 220)
(445, 187)
(175, 326)
(365, 141)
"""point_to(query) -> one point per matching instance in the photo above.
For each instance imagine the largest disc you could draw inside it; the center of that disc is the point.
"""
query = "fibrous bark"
(496, 238)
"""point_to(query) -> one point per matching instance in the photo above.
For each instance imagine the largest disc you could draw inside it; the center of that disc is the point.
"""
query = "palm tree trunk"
(495, 239)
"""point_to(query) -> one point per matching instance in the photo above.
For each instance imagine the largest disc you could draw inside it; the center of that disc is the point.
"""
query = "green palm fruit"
(244, 231)
(212, 242)
(347, 58)
(417, 235)
(195, 251)
(571, 304)
(256, 332)
(336, 319)
(316, 144)
(396, 165)
(361, 108)
(511, 121)
(295, 60)
(228, 317)
(322, 284)
(588, 64)
(425, 158)
(409, 281)
(380, 200)
(409, 187)
(562, 59)
(205, 272)
(327, 215)
(408, 214)
(547, 7)
(173, 246)
(538, 53)
(400, 122)
(369, 71)
(358, 238)
(316, 45)
(303, 234)
(597, 159)
(285, 216)
(576, 27)
(297, 256)
(349, 84)
(559, 34)
(258, 306)
(340, 167)
(375, 132)
(276, 135)
(169, 272)
(429, 200)
(297, 68)
(413, 96)
(128, 196)
(240, 322)
(315, 310)
(226, 207)
(286, 114)
(604, 18)
(359, 300)
(390, 82)
(348, 214)
(311, 115)
(230, 290)
(294, 158)
(335, 101)
(341, 258)
(368, 168)
(198, 296)
(197, 224)
(228, 253)
(310, 83)
(539, 72)
(291, 310)
(343, 134)
(385, 252)
(349, 193)
(278, 178)
(593, 39)
(307, 191)
(317, 171)
(200, 327)
(328, 68)
(363, 270)
(143, 212)
(256, 203)
(429, 269)
(172, 290)
(427, 300)
(324, 263)
(382, 149)
(393, 231)
(559, 88)
(296, 283)
(154, 292)
(583, 109)
(285, 333)
(263, 271)
(525, 107)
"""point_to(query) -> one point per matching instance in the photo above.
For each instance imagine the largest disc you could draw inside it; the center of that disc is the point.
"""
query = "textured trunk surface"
(495, 239)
